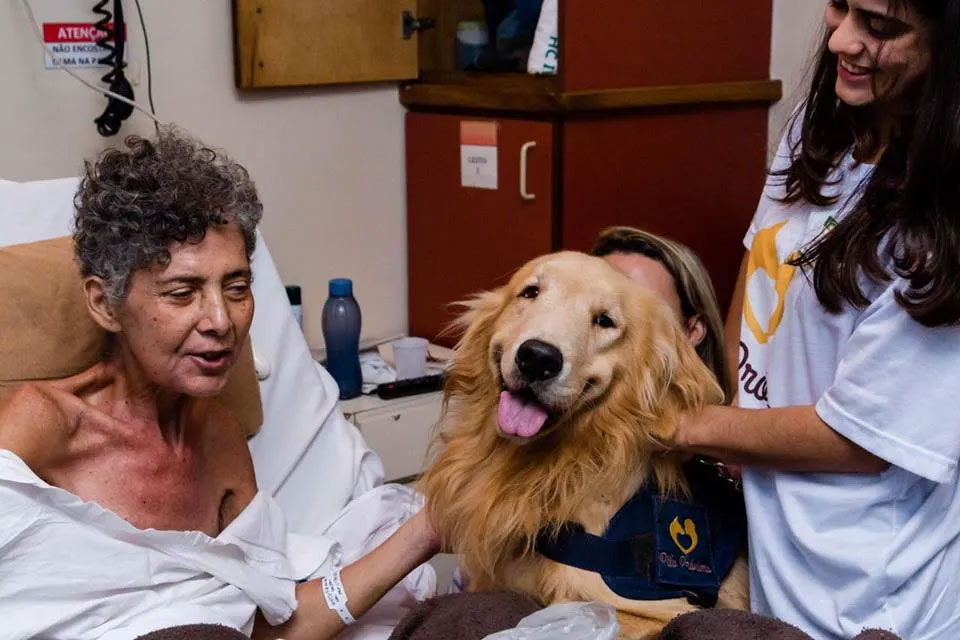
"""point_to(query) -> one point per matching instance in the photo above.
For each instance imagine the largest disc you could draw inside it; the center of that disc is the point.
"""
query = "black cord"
(109, 122)
(146, 44)
(109, 33)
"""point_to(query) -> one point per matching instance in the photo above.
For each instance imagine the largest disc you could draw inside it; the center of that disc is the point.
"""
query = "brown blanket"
(471, 616)
(728, 624)
(464, 616)
(195, 632)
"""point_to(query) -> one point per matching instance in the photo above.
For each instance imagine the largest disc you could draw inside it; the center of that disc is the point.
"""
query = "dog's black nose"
(538, 360)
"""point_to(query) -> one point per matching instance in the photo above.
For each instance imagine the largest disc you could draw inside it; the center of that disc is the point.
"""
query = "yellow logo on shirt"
(763, 258)
(689, 529)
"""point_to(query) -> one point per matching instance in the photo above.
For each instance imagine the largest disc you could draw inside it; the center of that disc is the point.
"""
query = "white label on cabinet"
(478, 154)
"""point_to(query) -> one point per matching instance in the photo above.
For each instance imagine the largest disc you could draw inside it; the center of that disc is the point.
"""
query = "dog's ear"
(479, 311)
(693, 385)
(687, 384)
(674, 374)
(470, 366)
(447, 480)
(674, 378)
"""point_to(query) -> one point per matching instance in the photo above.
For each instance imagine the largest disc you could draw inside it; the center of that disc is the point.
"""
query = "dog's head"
(566, 333)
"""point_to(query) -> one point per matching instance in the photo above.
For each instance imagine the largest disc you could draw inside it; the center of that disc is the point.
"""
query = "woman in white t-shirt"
(847, 311)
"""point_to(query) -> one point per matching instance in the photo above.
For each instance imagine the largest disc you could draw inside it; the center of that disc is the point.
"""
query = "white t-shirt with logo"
(836, 553)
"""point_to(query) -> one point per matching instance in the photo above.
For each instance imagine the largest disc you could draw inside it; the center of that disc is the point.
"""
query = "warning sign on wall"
(74, 44)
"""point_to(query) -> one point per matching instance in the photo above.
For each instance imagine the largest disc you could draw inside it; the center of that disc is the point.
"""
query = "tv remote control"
(410, 387)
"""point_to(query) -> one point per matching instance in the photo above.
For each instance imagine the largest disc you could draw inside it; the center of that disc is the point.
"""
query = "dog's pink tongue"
(520, 418)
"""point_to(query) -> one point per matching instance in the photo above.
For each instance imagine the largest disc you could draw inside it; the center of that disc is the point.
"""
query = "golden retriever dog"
(562, 387)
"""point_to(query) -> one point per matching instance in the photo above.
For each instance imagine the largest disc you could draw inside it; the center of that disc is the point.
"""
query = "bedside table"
(399, 430)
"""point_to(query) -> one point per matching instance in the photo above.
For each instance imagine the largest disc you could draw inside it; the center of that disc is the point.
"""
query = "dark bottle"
(341, 333)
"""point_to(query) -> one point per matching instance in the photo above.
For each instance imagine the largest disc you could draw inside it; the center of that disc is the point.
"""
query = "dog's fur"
(617, 397)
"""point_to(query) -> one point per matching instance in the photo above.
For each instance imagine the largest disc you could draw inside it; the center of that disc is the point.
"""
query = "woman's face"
(882, 51)
(184, 322)
(648, 273)
(651, 274)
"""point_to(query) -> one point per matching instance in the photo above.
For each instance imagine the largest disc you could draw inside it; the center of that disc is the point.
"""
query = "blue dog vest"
(656, 548)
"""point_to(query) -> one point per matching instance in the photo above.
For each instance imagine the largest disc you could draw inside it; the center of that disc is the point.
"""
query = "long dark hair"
(909, 212)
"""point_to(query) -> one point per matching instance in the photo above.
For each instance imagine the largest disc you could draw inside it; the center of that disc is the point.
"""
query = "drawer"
(400, 435)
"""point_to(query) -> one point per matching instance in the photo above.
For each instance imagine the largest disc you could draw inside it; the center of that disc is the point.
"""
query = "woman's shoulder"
(36, 422)
(44, 415)
(31, 399)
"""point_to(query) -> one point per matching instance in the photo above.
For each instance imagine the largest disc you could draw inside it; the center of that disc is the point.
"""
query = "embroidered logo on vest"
(689, 530)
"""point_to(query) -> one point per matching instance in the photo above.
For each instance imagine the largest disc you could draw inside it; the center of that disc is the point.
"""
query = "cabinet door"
(691, 174)
(462, 239)
(650, 42)
(282, 43)
(401, 435)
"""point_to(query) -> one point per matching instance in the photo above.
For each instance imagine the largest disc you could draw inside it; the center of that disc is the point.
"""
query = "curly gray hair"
(133, 203)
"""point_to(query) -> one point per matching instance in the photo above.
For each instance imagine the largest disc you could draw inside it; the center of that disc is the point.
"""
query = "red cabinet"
(688, 174)
(657, 120)
(465, 239)
(693, 174)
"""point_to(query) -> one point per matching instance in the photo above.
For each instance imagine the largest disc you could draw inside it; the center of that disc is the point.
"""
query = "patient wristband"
(336, 597)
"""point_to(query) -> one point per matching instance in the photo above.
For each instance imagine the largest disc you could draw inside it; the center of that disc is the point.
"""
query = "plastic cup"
(471, 41)
(410, 357)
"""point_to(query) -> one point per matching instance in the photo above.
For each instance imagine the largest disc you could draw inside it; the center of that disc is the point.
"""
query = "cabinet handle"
(524, 153)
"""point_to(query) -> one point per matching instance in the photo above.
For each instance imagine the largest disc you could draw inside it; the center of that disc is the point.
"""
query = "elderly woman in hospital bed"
(129, 500)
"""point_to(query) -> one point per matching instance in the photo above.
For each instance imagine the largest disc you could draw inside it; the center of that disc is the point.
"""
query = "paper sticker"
(74, 44)
(478, 154)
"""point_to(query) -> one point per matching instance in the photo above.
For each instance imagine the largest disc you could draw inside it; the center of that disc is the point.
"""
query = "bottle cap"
(341, 287)
(293, 293)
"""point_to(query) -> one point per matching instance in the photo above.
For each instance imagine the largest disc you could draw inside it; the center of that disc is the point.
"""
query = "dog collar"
(657, 548)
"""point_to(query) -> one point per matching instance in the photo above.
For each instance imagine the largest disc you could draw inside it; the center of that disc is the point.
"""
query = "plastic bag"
(565, 621)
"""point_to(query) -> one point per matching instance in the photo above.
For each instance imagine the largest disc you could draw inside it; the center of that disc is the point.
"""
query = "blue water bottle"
(341, 333)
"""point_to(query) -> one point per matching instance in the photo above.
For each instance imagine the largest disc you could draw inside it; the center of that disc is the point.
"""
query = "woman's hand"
(685, 437)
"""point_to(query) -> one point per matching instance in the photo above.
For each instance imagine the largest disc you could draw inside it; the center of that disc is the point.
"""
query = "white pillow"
(32, 211)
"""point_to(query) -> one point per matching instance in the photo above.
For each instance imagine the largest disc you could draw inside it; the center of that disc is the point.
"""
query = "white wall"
(328, 162)
(796, 32)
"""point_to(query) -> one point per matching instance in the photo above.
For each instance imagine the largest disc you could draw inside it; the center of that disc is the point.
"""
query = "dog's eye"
(530, 292)
(604, 321)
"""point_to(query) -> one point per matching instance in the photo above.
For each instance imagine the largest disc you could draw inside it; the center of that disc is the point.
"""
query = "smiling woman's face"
(183, 323)
(882, 49)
